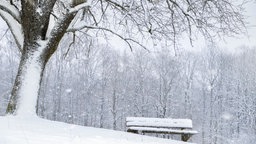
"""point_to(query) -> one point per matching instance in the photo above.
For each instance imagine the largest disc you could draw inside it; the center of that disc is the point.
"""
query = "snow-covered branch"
(80, 6)
(15, 28)
(10, 9)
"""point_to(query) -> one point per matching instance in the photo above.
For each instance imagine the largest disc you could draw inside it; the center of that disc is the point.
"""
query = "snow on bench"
(161, 125)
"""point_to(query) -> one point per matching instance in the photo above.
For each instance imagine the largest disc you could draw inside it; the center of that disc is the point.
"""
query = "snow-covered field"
(34, 130)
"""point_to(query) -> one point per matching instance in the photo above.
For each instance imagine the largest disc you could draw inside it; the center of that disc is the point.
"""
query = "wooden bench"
(182, 127)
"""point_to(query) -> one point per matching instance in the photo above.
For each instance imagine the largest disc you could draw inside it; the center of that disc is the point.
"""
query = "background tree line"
(96, 85)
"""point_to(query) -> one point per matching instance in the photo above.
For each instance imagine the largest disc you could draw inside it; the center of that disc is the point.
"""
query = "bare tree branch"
(11, 10)
(15, 28)
(127, 40)
(80, 6)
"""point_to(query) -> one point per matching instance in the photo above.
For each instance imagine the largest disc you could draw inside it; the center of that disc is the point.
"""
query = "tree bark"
(25, 91)
(37, 50)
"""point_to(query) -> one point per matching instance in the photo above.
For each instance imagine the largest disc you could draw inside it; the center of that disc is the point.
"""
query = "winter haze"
(73, 71)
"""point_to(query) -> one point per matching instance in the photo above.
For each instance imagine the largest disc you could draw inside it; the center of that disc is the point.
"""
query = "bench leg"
(132, 131)
(185, 137)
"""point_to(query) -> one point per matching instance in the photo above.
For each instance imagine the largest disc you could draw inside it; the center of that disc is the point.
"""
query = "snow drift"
(34, 130)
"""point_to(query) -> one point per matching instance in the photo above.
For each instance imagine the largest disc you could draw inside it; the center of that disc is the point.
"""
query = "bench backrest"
(158, 122)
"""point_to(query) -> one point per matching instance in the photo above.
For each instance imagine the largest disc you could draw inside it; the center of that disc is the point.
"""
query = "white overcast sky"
(249, 40)
(229, 43)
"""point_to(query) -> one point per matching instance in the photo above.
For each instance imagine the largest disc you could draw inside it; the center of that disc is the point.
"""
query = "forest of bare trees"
(38, 26)
(57, 61)
(100, 87)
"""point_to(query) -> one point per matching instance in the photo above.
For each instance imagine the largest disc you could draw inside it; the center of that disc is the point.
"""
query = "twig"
(127, 40)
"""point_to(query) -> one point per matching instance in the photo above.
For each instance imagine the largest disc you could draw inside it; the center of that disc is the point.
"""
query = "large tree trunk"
(25, 91)
(36, 51)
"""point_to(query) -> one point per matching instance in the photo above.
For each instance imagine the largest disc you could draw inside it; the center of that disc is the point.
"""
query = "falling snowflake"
(227, 116)
(68, 90)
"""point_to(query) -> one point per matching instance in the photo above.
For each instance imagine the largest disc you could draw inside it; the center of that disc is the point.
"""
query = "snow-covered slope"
(34, 130)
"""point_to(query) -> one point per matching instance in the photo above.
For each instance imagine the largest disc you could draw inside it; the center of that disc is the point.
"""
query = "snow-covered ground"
(34, 130)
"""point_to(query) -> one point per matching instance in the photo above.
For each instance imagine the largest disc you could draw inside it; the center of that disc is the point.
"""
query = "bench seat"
(161, 125)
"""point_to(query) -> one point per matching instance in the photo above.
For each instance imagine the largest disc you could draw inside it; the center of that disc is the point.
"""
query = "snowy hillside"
(34, 130)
